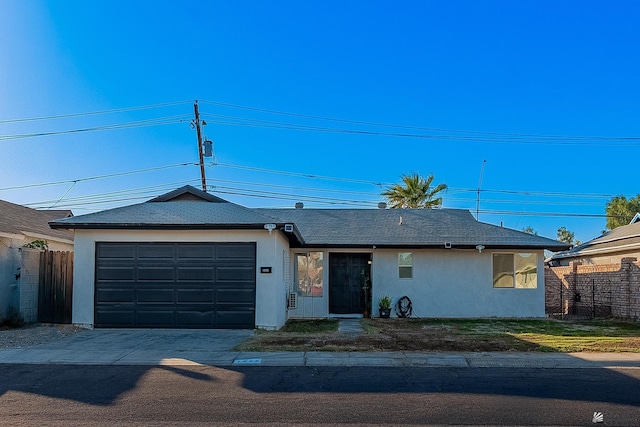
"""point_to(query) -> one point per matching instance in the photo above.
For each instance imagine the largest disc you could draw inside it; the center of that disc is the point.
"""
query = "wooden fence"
(55, 293)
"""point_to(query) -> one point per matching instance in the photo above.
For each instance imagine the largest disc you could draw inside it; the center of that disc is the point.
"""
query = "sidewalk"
(154, 347)
(149, 357)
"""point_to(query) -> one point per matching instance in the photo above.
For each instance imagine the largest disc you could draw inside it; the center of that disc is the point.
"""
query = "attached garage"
(175, 285)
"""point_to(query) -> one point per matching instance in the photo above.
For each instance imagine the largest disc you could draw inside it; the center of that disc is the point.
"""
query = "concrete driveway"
(133, 346)
(151, 339)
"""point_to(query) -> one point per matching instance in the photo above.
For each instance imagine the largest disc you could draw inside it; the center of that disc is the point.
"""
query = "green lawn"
(453, 335)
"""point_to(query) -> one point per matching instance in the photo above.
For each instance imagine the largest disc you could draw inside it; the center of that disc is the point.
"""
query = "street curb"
(323, 359)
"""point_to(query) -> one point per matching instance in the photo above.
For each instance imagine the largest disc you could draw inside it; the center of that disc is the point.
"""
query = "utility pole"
(200, 153)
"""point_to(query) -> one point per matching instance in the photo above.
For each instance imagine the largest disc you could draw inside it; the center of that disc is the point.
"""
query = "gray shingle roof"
(186, 207)
(190, 208)
(172, 214)
(16, 219)
(403, 227)
(626, 237)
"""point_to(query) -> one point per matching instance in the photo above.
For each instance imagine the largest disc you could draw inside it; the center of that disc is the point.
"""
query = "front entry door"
(347, 274)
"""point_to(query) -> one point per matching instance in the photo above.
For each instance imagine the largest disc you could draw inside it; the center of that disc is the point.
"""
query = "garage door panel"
(156, 252)
(195, 318)
(116, 274)
(116, 251)
(155, 296)
(195, 252)
(235, 296)
(115, 318)
(195, 274)
(195, 296)
(233, 319)
(201, 285)
(235, 274)
(156, 274)
(116, 295)
(235, 252)
(157, 318)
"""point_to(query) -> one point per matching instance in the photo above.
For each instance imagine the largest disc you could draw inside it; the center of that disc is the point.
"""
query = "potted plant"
(384, 306)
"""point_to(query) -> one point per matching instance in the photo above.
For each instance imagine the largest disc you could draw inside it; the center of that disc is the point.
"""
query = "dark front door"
(347, 273)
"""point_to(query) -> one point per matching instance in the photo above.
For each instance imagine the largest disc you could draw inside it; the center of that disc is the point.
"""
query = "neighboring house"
(19, 226)
(190, 259)
(610, 248)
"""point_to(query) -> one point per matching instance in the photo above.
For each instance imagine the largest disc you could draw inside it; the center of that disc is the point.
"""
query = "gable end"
(188, 193)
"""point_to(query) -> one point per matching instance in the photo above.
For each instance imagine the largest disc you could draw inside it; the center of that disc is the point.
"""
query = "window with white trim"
(405, 265)
(515, 270)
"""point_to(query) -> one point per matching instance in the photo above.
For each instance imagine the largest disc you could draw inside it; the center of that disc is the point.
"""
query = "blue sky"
(518, 84)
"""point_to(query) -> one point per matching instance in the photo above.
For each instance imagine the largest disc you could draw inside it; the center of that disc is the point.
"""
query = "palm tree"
(416, 193)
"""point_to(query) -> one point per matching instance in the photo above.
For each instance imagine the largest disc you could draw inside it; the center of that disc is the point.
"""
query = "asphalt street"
(203, 395)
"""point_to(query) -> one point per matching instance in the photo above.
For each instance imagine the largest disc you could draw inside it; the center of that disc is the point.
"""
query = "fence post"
(625, 266)
(561, 300)
(593, 298)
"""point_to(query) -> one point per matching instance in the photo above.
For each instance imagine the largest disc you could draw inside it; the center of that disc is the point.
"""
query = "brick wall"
(594, 290)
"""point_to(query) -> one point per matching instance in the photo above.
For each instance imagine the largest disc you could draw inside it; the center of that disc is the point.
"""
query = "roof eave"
(429, 246)
(140, 226)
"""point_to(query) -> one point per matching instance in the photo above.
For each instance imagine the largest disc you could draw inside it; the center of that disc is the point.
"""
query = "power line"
(93, 113)
(294, 187)
(142, 123)
(505, 140)
(304, 175)
(285, 196)
(115, 196)
(450, 189)
(433, 129)
(19, 187)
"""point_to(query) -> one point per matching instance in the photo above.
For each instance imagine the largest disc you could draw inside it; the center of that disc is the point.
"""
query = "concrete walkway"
(350, 326)
(153, 347)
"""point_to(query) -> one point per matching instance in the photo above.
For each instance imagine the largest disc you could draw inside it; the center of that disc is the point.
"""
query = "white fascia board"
(596, 251)
(45, 237)
(11, 235)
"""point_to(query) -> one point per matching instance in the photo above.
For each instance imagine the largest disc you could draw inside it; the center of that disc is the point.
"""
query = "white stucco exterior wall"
(310, 307)
(9, 267)
(454, 283)
(316, 307)
(271, 295)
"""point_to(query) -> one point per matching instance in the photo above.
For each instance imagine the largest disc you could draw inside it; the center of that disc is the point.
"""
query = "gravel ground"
(30, 335)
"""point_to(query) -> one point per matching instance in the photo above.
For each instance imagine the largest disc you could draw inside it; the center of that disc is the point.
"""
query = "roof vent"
(382, 205)
(299, 205)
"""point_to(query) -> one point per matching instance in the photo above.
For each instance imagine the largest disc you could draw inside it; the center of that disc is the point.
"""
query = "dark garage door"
(175, 285)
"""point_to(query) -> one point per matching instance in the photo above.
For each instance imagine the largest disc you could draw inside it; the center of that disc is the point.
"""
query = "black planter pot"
(384, 312)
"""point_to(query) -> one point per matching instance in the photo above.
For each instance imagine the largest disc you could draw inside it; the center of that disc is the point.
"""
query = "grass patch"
(315, 326)
(459, 335)
(295, 335)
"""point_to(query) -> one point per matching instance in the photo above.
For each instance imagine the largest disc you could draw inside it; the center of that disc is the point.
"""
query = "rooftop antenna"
(479, 186)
